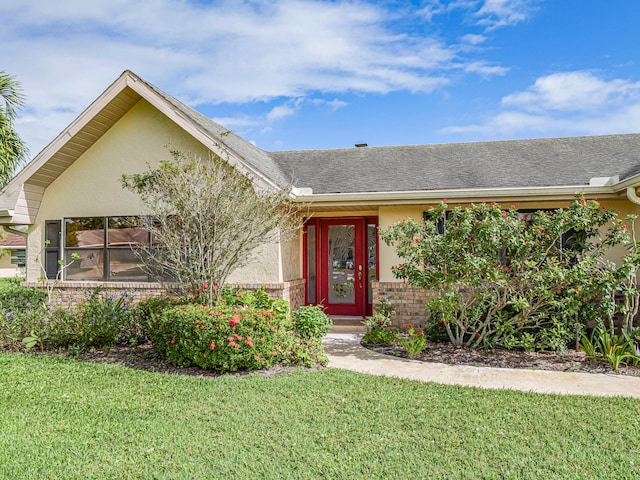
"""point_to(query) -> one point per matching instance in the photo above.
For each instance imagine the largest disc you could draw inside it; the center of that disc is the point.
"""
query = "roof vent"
(604, 181)
(361, 145)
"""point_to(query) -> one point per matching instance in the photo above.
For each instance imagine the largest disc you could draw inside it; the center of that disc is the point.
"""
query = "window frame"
(105, 250)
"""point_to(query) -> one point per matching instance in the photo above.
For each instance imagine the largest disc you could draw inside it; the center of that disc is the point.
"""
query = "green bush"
(414, 342)
(219, 338)
(304, 352)
(105, 319)
(13, 296)
(382, 335)
(379, 329)
(101, 320)
(498, 277)
(310, 321)
(148, 311)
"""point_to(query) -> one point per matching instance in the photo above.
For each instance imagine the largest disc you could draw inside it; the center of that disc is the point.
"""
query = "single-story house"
(13, 255)
(70, 194)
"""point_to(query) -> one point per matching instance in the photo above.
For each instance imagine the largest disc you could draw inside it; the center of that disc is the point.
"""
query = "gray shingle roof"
(500, 164)
(543, 162)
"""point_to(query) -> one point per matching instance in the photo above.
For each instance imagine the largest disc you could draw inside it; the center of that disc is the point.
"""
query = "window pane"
(124, 264)
(127, 231)
(90, 265)
(84, 232)
(372, 261)
(341, 264)
(311, 263)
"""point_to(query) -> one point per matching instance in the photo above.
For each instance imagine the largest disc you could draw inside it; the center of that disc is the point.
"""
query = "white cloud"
(574, 91)
(235, 51)
(490, 14)
(500, 13)
(333, 105)
(285, 110)
(564, 103)
(485, 69)
(473, 39)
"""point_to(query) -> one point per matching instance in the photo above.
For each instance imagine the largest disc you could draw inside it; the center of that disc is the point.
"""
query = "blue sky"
(297, 74)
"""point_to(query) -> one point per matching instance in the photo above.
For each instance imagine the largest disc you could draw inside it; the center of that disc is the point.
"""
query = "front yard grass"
(60, 418)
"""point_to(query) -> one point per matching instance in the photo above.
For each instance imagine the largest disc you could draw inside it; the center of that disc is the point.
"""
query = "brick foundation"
(407, 300)
(69, 294)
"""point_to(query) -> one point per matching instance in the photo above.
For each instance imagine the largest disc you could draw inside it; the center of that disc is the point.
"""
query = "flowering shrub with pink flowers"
(244, 331)
(222, 337)
(499, 277)
(414, 342)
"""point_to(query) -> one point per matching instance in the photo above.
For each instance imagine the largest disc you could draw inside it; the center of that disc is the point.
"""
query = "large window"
(103, 247)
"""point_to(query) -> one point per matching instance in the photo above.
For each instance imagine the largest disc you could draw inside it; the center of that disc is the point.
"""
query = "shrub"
(147, 311)
(310, 321)
(382, 335)
(105, 319)
(304, 352)
(605, 345)
(414, 342)
(218, 338)
(13, 296)
(501, 278)
(379, 329)
(102, 320)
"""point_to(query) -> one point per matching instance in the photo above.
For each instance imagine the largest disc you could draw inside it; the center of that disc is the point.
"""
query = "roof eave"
(459, 195)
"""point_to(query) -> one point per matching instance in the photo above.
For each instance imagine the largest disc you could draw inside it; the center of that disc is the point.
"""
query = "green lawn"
(63, 419)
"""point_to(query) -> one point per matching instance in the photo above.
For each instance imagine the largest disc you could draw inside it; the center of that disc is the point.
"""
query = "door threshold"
(347, 320)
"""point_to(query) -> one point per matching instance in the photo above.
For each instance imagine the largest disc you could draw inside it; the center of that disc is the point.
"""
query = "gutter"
(462, 195)
(632, 195)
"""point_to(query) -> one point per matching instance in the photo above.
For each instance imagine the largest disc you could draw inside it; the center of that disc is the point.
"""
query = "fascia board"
(628, 182)
(458, 196)
(80, 122)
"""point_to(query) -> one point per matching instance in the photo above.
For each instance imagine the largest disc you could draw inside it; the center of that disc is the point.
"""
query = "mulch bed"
(570, 361)
(144, 357)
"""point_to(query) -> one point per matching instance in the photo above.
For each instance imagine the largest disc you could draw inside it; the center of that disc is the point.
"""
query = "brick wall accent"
(291, 291)
(407, 300)
(69, 294)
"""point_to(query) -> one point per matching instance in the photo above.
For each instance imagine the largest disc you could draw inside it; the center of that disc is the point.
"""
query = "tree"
(502, 278)
(207, 219)
(13, 151)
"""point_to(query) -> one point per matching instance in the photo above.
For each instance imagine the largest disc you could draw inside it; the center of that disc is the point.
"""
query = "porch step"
(347, 324)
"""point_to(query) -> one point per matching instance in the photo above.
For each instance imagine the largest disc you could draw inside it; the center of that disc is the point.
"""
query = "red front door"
(340, 264)
(342, 286)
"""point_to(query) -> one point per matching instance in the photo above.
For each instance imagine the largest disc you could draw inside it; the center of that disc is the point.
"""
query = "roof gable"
(20, 199)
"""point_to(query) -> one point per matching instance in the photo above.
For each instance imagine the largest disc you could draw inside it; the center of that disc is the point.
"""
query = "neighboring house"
(70, 194)
(13, 255)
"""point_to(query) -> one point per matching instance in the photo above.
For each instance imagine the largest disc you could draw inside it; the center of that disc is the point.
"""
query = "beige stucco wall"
(291, 251)
(7, 269)
(91, 185)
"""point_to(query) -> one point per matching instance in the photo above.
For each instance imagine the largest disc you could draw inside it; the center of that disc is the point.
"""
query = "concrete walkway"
(344, 351)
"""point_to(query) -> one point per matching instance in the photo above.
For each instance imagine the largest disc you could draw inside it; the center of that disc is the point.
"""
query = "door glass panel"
(311, 264)
(341, 264)
(371, 259)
